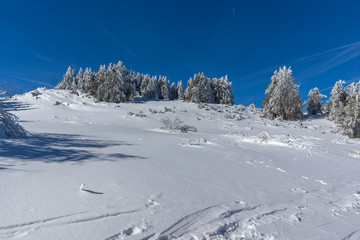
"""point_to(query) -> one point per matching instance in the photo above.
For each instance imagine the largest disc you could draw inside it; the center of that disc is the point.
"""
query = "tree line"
(118, 84)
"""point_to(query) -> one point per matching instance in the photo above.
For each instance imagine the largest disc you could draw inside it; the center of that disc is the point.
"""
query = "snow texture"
(241, 178)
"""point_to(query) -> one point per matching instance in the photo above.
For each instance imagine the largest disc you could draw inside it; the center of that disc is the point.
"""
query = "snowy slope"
(238, 177)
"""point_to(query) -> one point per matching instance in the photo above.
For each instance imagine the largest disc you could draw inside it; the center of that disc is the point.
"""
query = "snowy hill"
(237, 176)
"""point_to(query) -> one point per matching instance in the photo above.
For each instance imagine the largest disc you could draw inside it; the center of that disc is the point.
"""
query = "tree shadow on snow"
(60, 148)
(10, 105)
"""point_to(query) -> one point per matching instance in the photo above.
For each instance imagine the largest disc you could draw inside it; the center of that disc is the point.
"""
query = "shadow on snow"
(60, 148)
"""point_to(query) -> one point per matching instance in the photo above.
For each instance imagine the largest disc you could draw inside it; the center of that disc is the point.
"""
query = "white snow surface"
(238, 176)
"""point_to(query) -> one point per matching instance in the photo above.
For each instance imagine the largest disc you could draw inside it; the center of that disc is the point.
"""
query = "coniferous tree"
(283, 99)
(351, 123)
(314, 103)
(200, 85)
(338, 102)
(222, 90)
(173, 92)
(77, 83)
(88, 79)
(164, 88)
(181, 91)
(67, 81)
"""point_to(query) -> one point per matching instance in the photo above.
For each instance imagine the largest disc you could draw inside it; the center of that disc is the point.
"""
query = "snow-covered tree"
(181, 91)
(138, 79)
(222, 90)
(351, 123)
(283, 99)
(173, 92)
(314, 103)
(88, 79)
(327, 107)
(200, 85)
(100, 87)
(67, 82)
(164, 88)
(338, 102)
(78, 83)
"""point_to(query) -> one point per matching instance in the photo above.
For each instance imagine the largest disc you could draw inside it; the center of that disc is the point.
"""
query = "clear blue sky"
(246, 40)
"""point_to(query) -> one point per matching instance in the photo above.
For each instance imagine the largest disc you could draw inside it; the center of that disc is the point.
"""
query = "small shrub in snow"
(176, 125)
(153, 111)
(233, 117)
(35, 93)
(194, 141)
(263, 137)
(140, 114)
(168, 110)
(299, 125)
(355, 154)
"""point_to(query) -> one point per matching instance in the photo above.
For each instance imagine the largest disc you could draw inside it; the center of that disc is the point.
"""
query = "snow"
(90, 170)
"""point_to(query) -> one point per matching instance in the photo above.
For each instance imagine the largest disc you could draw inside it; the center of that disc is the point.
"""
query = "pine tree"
(351, 122)
(68, 79)
(203, 89)
(314, 103)
(88, 79)
(173, 92)
(164, 88)
(181, 91)
(99, 86)
(283, 99)
(78, 81)
(223, 91)
(338, 102)
(327, 107)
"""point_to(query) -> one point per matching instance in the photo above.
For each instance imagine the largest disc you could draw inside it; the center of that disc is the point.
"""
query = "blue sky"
(246, 40)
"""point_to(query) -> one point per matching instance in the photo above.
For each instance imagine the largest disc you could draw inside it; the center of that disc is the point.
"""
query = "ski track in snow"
(75, 218)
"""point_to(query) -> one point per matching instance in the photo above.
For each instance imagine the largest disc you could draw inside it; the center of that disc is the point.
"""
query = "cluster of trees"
(118, 84)
(284, 102)
(344, 106)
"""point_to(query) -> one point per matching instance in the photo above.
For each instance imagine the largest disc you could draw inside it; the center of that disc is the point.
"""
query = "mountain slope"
(237, 177)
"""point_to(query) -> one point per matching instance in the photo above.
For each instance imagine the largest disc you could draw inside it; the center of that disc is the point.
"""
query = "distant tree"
(327, 107)
(338, 102)
(88, 79)
(222, 90)
(173, 92)
(78, 83)
(314, 103)
(100, 87)
(283, 99)
(199, 85)
(164, 88)
(67, 82)
(351, 123)
(181, 91)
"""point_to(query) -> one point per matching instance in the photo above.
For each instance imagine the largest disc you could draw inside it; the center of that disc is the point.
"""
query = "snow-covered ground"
(237, 177)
